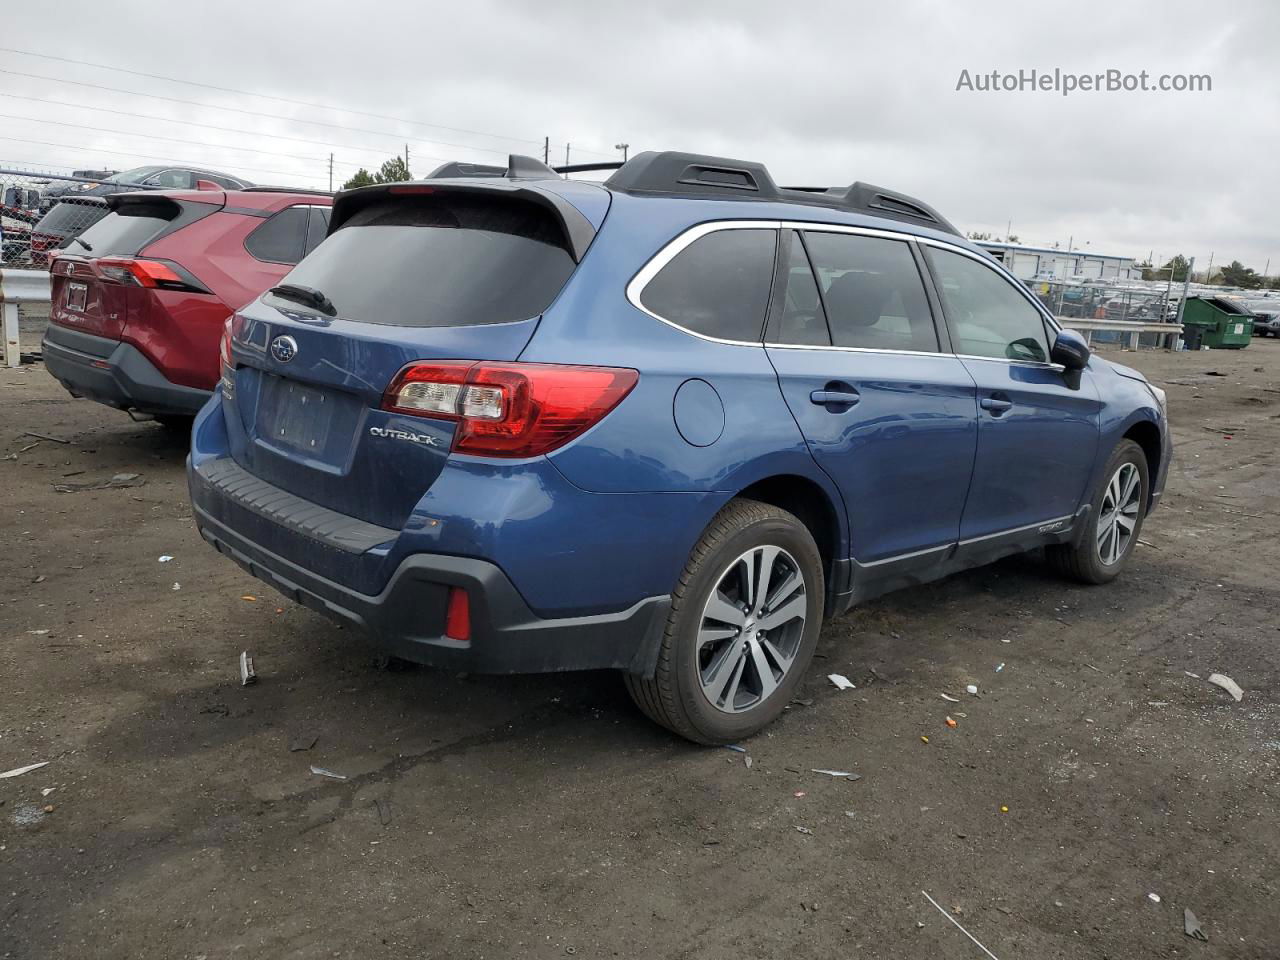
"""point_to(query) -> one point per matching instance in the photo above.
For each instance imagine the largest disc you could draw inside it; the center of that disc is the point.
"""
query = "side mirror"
(1070, 350)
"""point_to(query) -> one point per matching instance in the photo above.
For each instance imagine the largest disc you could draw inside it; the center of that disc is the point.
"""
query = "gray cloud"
(821, 92)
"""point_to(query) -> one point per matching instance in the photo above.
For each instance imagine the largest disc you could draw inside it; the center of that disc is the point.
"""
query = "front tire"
(744, 622)
(1120, 506)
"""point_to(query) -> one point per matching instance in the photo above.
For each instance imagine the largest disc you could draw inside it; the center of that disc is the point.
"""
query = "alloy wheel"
(751, 628)
(1118, 513)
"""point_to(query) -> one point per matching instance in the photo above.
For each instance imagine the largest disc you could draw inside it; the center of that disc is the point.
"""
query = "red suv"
(140, 298)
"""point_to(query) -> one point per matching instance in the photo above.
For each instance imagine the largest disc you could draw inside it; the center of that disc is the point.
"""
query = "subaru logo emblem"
(284, 349)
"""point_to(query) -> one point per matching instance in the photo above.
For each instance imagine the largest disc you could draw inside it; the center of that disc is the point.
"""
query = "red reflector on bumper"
(457, 621)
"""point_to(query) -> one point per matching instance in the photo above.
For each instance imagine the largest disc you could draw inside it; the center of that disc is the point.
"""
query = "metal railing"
(19, 286)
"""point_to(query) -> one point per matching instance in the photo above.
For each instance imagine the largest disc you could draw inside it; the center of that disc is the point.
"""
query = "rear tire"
(177, 425)
(744, 622)
(1115, 522)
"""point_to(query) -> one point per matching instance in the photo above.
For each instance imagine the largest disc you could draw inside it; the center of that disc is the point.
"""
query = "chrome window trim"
(673, 249)
(635, 288)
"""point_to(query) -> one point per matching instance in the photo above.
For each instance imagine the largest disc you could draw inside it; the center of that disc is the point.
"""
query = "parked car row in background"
(139, 299)
(35, 222)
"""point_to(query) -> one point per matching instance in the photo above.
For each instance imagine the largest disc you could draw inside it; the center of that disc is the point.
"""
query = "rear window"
(129, 228)
(68, 219)
(440, 261)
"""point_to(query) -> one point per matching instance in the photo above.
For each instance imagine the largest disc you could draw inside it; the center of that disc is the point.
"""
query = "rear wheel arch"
(811, 505)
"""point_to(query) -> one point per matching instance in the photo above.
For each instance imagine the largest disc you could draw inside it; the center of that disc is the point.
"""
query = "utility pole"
(331, 173)
(1208, 277)
(406, 158)
(623, 147)
(1266, 270)
(1186, 283)
(566, 154)
(1008, 231)
(546, 150)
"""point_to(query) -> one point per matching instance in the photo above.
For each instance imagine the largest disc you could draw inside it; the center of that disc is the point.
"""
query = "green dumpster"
(1222, 324)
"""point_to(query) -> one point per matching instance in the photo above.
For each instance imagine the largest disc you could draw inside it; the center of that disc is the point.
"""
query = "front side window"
(873, 293)
(987, 315)
(173, 179)
(717, 286)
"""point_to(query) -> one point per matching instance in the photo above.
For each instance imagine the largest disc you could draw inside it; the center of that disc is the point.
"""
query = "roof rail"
(693, 175)
(264, 189)
(587, 167)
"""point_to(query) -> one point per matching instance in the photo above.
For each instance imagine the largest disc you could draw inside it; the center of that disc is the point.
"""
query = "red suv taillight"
(225, 367)
(148, 273)
(509, 409)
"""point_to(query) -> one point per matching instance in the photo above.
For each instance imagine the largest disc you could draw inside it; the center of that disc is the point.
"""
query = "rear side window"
(129, 228)
(717, 286)
(873, 292)
(441, 260)
(800, 319)
(280, 238)
(987, 315)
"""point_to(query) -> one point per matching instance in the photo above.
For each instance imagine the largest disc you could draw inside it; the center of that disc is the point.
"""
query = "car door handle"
(835, 398)
(997, 405)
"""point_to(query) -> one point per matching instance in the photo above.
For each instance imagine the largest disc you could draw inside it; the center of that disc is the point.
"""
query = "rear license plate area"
(77, 296)
(299, 417)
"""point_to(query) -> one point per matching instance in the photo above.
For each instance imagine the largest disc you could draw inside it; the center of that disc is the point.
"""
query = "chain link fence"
(1136, 301)
(43, 212)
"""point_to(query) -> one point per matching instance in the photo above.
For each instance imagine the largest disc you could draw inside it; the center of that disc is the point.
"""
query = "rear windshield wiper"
(309, 296)
(82, 243)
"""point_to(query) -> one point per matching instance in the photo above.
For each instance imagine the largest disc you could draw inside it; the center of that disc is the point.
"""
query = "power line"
(195, 123)
(258, 113)
(263, 96)
(150, 136)
(146, 156)
(251, 113)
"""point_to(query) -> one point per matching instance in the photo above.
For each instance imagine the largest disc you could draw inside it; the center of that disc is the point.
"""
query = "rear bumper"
(115, 373)
(408, 615)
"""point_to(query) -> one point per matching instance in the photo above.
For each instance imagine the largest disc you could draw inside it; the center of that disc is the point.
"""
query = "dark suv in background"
(139, 300)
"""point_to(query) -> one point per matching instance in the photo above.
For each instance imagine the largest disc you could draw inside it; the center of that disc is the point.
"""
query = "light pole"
(624, 147)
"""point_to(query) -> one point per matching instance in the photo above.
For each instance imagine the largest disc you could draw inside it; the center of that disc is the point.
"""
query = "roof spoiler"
(577, 229)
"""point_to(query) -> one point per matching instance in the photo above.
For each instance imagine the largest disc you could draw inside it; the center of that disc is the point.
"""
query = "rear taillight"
(148, 273)
(509, 409)
(225, 367)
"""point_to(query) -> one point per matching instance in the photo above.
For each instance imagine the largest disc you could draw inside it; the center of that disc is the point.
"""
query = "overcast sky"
(823, 93)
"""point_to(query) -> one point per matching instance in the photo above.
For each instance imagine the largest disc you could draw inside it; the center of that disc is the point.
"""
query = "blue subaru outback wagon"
(667, 424)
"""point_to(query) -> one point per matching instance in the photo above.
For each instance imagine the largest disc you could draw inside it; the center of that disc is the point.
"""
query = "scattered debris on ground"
(1227, 684)
(247, 674)
(19, 771)
(116, 482)
(1191, 926)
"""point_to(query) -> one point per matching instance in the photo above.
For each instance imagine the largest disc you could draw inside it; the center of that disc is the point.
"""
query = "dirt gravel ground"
(543, 816)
